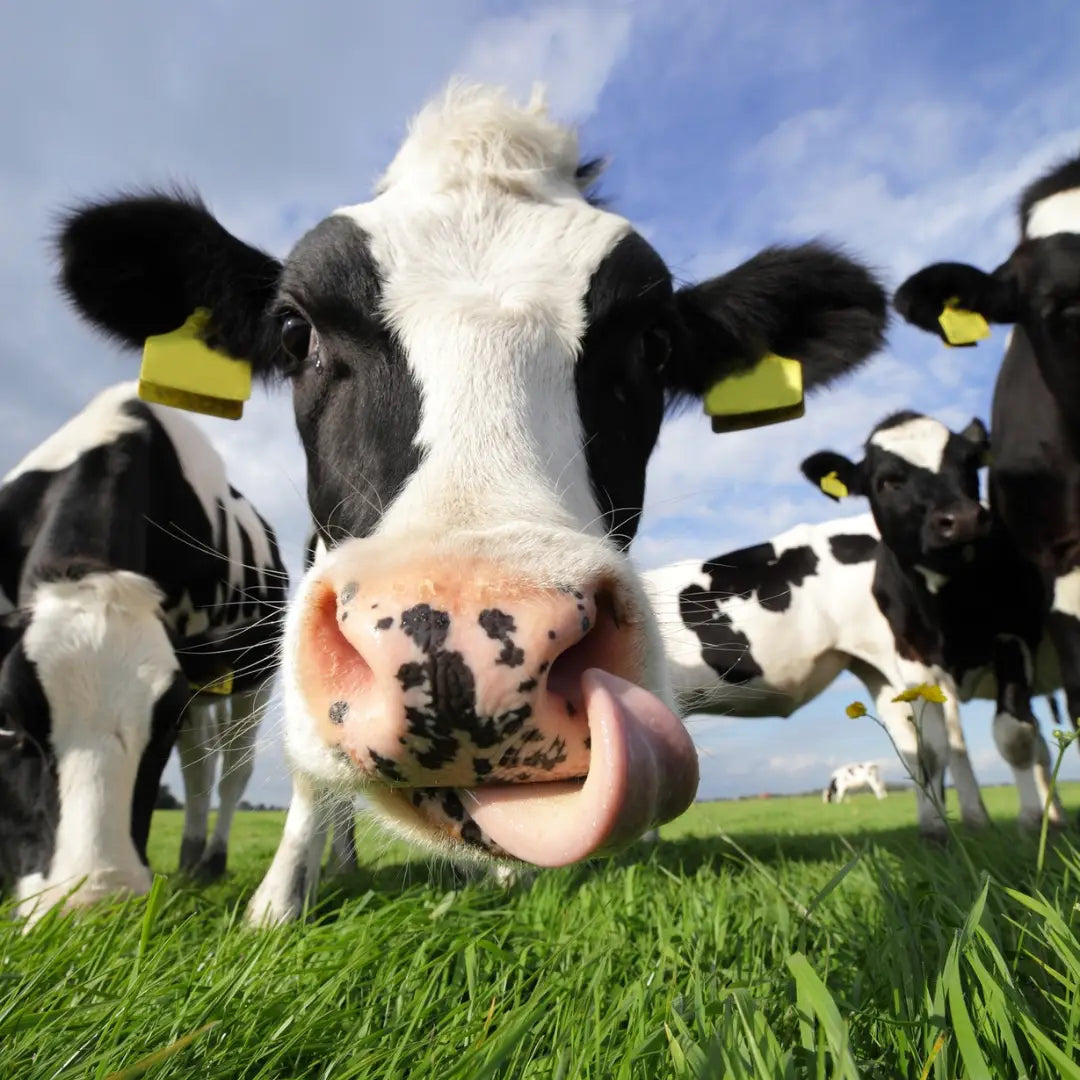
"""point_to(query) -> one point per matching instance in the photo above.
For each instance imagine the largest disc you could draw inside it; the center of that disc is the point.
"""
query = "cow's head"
(88, 682)
(1037, 289)
(922, 481)
(480, 360)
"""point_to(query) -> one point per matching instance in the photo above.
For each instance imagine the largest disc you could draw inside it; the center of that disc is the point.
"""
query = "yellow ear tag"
(832, 485)
(222, 685)
(769, 393)
(180, 370)
(962, 327)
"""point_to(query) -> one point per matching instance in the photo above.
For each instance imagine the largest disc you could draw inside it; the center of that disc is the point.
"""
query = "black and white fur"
(949, 581)
(764, 630)
(137, 577)
(480, 359)
(851, 778)
(1034, 484)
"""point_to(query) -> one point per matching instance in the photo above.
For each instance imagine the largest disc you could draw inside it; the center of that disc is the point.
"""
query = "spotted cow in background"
(764, 630)
(951, 585)
(1034, 484)
(141, 586)
(851, 778)
(480, 358)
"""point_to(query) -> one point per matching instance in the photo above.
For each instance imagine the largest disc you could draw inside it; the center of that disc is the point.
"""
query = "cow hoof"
(211, 867)
(266, 910)
(934, 836)
(191, 853)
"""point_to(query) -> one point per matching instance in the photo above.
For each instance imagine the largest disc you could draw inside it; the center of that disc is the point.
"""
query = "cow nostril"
(605, 644)
(946, 524)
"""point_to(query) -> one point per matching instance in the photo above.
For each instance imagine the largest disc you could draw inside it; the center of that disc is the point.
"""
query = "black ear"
(141, 264)
(831, 472)
(976, 434)
(809, 303)
(921, 299)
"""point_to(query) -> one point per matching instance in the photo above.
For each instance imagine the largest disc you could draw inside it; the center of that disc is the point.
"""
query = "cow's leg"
(919, 736)
(293, 877)
(876, 783)
(197, 746)
(972, 809)
(343, 858)
(238, 724)
(1017, 735)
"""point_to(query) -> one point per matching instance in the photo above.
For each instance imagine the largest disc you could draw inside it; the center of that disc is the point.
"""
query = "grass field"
(764, 938)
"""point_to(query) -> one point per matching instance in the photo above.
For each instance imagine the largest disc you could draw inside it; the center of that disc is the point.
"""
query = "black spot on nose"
(526, 686)
(338, 711)
(427, 626)
(496, 624)
(385, 623)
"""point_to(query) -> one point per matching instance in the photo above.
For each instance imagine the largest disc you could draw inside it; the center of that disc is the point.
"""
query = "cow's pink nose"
(440, 679)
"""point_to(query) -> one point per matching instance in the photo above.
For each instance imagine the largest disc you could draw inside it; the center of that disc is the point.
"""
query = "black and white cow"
(951, 585)
(480, 360)
(851, 778)
(142, 586)
(1035, 422)
(764, 630)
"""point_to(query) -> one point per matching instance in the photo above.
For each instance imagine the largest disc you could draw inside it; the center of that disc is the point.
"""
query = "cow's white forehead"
(485, 247)
(920, 441)
(1057, 213)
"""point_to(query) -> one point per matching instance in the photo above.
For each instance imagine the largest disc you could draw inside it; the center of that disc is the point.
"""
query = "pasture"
(764, 938)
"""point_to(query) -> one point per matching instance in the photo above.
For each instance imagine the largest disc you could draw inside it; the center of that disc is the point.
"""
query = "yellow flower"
(855, 710)
(926, 691)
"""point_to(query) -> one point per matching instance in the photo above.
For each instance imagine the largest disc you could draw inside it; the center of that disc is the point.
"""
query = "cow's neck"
(910, 609)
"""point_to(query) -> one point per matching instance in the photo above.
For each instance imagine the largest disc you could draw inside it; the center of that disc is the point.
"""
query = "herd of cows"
(481, 357)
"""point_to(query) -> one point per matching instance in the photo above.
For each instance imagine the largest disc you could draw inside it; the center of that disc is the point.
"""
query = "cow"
(764, 630)
(851, 778)
(481, 357)
(951, 585)
(1034, 480)
(141, 588)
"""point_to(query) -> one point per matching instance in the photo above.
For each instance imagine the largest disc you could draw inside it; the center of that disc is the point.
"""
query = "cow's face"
(1037, 289)
(480, 361)
(922, 481)
(88, 678)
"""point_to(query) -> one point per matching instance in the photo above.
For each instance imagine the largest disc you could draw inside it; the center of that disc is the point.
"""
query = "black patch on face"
(630, 309)
(547, 759)
(526, 686)
(851, 548)
(411, 675)
(357, 405)
(384, 623)
(338, 711)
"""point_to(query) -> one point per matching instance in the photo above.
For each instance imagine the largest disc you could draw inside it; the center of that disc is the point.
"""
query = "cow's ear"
(976, 434)
(806, 303)
(937, 289)
(141, 265)
(834, 474)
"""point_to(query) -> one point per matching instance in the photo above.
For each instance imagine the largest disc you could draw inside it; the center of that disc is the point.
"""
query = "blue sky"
(904, 132)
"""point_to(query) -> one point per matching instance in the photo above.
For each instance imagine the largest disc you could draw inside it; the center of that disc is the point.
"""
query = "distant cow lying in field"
(851, 778)
(141, 585)
(1035, 423)
(952, 587)
(480, 360)
(766, 629)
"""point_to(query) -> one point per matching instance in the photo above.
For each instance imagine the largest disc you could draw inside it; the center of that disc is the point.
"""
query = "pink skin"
(520, 703)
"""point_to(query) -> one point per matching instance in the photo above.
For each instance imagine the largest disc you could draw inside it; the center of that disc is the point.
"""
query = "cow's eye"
(656, 347)
(298, 338)
(890, 482)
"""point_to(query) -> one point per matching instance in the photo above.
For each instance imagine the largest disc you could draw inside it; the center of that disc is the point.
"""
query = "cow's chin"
(643, 771)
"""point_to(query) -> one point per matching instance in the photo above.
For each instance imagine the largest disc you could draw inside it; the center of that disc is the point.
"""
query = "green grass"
(764, 938)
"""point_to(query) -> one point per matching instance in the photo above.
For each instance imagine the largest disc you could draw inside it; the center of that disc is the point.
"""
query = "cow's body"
(851, 778)
(480, 359)
(125, 515)
(949, 581)
(1035, 424)
(766, 629)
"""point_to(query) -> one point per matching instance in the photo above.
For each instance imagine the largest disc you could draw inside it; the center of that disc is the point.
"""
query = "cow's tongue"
(643, 771)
